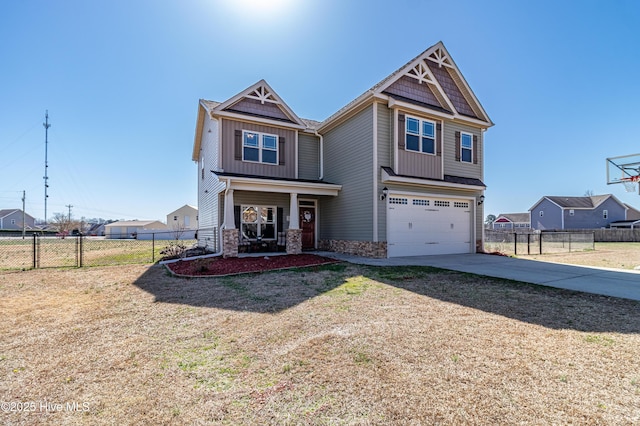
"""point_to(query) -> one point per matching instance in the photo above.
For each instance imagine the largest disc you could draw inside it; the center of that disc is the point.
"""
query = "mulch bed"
(219, 266)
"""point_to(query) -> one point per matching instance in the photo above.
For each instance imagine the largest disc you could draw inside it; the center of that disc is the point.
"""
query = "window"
(187, 221)
(259, 147)
(258, 222)
(466, 147)
(13, 221)
(175, 218)
(420, 135)
(572, 212)
(541, 213)
(439, 203)
(395, 200)
(605, 214)
(202, 167)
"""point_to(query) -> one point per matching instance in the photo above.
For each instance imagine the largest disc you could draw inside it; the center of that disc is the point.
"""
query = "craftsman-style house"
(396, 172)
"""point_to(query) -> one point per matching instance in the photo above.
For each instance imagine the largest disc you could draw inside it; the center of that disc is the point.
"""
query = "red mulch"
(218, 266)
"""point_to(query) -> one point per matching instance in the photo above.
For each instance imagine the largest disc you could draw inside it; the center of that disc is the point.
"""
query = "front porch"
(270, 215)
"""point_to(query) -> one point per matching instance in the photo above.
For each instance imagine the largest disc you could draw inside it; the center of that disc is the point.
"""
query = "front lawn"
(335, 344)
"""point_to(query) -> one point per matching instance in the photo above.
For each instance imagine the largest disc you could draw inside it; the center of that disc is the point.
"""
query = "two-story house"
(592, 212)
(396, 172)
(511, 221)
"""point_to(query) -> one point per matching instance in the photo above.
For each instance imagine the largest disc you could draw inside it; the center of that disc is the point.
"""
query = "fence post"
(81, 249)
(35, 256)
(515, 243)
(153, 247)
(528, 243)
(540, 241)
(570, 242)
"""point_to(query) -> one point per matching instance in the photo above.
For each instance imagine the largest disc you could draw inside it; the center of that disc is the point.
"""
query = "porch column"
(229, 217)
(294, 221)
(294, 233)
(229, 233)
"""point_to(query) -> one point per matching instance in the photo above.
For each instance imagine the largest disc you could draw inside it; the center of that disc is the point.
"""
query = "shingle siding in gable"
(255, 107)
(451, 89)
(410, 88)
(308, 157)
(348, 152)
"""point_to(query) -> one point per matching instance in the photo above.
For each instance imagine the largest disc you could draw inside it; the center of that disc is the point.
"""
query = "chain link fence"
(77, 251)
(538, 242)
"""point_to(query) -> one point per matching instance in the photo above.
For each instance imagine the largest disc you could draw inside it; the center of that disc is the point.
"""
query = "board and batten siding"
(455, 167)
(231, 165)
(418, 164)
(308, 156)
(348, 151)
(208, 186)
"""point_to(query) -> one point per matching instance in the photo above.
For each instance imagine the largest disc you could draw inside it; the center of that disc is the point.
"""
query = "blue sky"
(121, 81)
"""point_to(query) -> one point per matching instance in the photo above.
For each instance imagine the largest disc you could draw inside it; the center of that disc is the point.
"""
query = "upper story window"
(605, 214)
(466, 147)
(259, 147)
(572, 212)
(541, 213)
(420, 135)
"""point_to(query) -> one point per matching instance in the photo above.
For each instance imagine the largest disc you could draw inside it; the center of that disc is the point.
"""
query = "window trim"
(420, 135)
(261, 147)
(462, 147)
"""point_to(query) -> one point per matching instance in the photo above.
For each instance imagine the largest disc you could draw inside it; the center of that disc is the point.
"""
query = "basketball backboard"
(624, 169)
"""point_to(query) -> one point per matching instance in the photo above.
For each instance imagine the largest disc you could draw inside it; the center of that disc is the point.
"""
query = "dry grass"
(605, 255)
(339, 345)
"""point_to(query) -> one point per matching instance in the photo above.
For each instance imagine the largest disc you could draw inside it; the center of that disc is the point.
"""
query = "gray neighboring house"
(11, 219)
(562, 213)
(396, 172)
(511, 221)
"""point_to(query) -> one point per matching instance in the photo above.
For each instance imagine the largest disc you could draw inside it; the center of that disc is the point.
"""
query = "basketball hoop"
(630, 183)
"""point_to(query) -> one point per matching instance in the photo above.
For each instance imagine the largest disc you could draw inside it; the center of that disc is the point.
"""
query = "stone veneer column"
(230, 242)
(294, 241)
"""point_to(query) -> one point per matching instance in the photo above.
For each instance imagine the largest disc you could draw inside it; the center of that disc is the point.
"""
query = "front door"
(308, 225)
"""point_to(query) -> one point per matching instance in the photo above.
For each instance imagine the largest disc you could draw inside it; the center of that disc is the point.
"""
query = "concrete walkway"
(608, 282)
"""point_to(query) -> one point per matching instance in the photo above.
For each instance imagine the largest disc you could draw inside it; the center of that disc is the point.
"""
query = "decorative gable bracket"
(263, 94)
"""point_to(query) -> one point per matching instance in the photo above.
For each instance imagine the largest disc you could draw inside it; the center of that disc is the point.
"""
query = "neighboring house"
(396, 172)
(511, 221)
(12, 219)
(186, 217)
(632, 212)
(96, 229)
(131, 228)
(561, 213)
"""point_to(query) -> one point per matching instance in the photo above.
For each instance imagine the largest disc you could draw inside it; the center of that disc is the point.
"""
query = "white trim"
(394, 103)
(414, 181)
(395, 139)
(260, 147)
(375, 172)
(461, 147)
(280, 186)
(260, 120)
(420, 135)
(259, 222)
(295, 149)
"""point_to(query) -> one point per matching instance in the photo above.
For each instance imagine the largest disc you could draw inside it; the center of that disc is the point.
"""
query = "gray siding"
(231, 165)
(208, 218)
(454, 167)
(415, 163)
(348, 150)
(385, 159)
(593, 218)
(551, 219)
(308, 156)
(411, 88)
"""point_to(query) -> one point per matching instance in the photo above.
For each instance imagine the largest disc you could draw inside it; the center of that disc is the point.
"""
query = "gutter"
(321, 154)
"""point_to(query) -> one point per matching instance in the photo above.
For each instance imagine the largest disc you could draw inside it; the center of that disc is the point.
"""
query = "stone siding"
(359, 248)
(294, 241)
(230, 242)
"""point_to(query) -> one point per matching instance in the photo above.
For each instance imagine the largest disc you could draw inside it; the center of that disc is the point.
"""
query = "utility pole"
(69, 205)
(24, 225)
(46, 163)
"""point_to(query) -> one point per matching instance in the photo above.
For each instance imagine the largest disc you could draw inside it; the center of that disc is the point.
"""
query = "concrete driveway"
(608, 282)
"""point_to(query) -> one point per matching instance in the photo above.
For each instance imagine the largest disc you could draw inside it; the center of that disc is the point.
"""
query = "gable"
(407, 88)
(256, 108)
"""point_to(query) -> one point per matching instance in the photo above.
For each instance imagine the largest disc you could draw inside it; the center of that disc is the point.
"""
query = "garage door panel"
(427, 225)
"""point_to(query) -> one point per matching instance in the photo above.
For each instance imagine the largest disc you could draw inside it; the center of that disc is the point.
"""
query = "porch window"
(258, 222)
(259, 147)
(420, 135)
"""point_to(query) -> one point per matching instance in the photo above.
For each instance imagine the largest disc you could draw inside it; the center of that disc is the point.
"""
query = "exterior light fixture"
(481, 200)
(385, 191)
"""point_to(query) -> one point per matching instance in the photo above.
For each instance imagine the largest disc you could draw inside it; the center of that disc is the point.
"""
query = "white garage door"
(428, 225)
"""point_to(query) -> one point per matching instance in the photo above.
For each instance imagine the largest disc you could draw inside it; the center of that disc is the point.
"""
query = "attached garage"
(420, 225)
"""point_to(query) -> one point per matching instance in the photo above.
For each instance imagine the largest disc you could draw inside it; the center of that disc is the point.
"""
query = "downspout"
(321, 154)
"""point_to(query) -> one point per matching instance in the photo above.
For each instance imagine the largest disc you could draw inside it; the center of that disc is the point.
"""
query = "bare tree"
(63, 225)
(589, 193)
